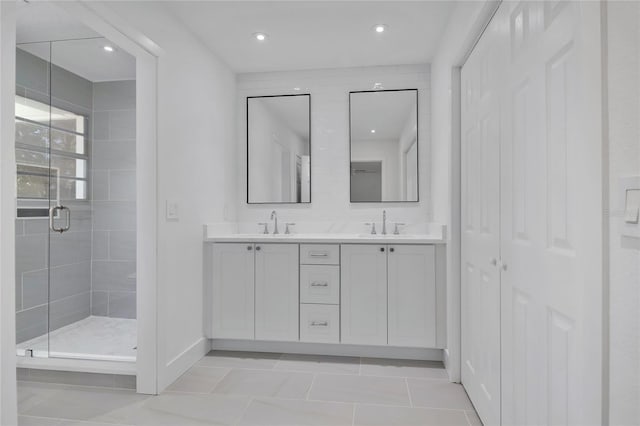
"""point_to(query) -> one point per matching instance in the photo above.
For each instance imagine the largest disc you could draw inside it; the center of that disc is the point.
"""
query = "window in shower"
(51, 152)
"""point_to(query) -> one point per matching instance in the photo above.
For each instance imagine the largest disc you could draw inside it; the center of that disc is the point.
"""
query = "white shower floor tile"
(96, 338)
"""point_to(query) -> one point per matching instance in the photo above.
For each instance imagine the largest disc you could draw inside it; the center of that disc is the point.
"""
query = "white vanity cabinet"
(276, 272)
(411, 286)
(308, 291)
(255, 291)
(363, 304)
(388, 295)
(233, 291)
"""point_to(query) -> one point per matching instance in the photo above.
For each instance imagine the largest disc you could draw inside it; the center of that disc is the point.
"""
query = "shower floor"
(95, 338)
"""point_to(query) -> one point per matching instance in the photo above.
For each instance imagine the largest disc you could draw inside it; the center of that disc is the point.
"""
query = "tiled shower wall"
(70, 294)
(93, 264)
(113, 161)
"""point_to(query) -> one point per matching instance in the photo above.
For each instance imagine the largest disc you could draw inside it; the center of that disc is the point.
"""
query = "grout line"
(353, 415)
(467, 417)
(406, 381)
(310, 386)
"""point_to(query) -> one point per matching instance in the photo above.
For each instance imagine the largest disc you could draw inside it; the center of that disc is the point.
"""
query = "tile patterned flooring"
(239, 388)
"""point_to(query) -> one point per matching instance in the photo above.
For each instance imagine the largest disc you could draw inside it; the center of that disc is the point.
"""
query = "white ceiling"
(316, 34)
(80, 49)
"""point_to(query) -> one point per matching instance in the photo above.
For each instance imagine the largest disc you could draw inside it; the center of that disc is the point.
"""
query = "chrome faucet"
(384, 222)
(274, 217)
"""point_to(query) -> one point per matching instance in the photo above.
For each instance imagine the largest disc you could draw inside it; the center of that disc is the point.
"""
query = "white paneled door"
(537, 71)
(482, 112)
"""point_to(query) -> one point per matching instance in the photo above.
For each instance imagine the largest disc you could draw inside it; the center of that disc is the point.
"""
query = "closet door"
(552, 215)
(481, 78)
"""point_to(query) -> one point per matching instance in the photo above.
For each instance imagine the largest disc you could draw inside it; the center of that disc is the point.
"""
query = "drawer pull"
(319, 284)
(319, 323)
(318, 254)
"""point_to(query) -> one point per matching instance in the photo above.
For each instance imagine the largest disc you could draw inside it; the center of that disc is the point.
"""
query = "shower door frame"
(146, 52)
(101, 20)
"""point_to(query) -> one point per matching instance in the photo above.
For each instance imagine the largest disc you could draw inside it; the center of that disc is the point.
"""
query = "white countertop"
(326, 238)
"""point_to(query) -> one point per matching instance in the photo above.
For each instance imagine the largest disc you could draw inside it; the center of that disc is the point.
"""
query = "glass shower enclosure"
(61, 310)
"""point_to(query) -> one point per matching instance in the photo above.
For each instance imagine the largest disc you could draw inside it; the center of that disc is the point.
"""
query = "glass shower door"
(35, 188)
(69, 206)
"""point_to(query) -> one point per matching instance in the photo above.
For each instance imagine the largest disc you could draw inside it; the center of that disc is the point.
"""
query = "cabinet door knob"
(392, 249)
(249, 248)
(257, 248)
(382, 249)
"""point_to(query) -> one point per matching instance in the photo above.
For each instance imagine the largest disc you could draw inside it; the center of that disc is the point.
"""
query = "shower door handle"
(52, 216)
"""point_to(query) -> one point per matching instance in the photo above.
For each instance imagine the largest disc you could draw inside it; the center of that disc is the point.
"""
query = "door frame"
(99, 18)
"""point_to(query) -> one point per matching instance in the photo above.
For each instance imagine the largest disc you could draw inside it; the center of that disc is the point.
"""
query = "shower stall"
(75, 145)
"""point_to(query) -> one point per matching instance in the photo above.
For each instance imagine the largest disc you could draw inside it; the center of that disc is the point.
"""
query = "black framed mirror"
(383, 146)
(279, 149)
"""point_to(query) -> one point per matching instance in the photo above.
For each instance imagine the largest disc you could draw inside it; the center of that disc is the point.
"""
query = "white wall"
(465, 24)
(196, 116)
(329, 89)
(8, 404)
(623, 47)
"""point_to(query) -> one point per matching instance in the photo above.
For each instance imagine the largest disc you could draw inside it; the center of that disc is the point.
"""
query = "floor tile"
(281, 384)
(403, 368)
(199, 380)
(232, 359)
(438, 394)
(319, 364)
(189, 409)
(364, 389)
(287, 412)
(473, 418)
(37, 421)
(88, 404)
(31, 394)
(378, 415)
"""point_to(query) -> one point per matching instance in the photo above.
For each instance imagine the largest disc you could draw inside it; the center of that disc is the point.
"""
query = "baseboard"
(181, 363)
(77, 378)
(327, 349)
(77, 365)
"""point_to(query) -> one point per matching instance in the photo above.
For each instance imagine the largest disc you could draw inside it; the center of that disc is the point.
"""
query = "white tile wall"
(329, 91)
(114, 194)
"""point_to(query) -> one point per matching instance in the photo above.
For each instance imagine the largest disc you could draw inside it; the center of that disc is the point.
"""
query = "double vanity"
(337, 289)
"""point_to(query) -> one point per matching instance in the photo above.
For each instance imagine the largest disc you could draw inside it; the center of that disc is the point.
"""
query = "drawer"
(320, 323)
(320, 284)
(319, 254)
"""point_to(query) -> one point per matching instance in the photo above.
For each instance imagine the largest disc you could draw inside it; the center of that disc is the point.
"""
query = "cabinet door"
(233, 291)
(412, 296)
(277, 300)
(364, 294)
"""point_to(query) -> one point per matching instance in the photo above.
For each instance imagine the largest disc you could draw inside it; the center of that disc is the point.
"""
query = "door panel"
(233, 291)
(481, 118)
(412, 296)
(546, 89)
(277, 301)
(552, 285)
(363, 289)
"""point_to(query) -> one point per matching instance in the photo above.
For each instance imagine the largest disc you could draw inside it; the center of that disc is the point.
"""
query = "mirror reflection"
(279, 149)
(384, 145)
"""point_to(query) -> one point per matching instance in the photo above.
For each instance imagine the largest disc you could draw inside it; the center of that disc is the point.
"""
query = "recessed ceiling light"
(260, 36)
(297, 89)
(373, 130)
(380, 28)
(108, 48)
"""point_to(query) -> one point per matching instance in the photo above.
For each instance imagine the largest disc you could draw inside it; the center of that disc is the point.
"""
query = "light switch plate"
(632, 206)
(172, 210)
